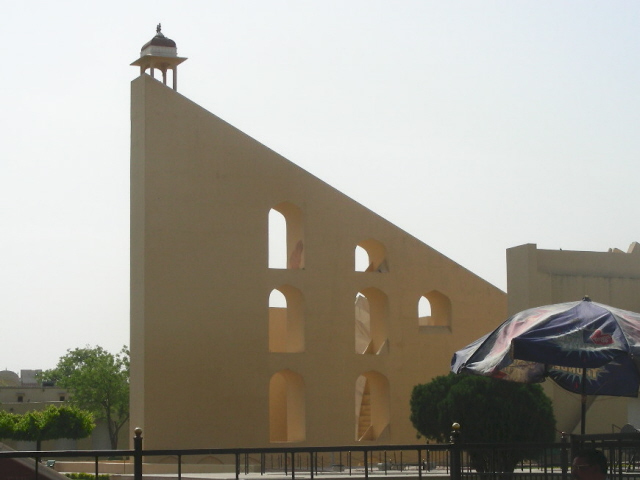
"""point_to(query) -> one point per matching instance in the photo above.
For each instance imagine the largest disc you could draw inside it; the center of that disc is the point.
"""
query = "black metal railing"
(456, 459)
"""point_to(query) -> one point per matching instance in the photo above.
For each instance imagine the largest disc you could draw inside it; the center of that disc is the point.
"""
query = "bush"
(86, 476)
(489, 411)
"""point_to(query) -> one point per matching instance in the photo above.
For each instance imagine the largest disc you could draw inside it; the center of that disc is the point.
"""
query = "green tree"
(98, 382)
(7, 424)
(489, 411)
(53, 422)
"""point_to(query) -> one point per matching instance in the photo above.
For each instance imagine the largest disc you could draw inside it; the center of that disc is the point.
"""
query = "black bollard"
(564, 457)
(137, 454)
(456, 453)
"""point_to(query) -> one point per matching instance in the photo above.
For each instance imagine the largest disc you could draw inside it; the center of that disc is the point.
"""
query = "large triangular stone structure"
(212, 363)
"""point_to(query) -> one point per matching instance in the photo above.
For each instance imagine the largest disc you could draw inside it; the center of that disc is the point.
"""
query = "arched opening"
(372, 406)
(424, 307)
(362, 259)
(286, 407)
(434, 310)
(288, 238)
(371, 318)
(286, 320)
(370, 256)
(277, 240)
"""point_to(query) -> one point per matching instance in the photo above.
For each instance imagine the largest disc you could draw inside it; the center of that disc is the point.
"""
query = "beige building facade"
(538, 277)
(19, 393)
(228, 348)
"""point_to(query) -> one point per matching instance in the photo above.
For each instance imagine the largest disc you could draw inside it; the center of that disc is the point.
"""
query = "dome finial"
(159, 29)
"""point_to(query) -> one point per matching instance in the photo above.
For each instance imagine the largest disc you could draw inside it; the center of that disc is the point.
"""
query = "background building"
(542, 277)
(22, 393)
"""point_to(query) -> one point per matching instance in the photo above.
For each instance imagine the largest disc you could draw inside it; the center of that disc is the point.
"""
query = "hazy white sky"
(473, 125)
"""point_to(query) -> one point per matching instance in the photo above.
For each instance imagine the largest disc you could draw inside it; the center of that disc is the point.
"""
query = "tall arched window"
(372, 406)
(287, 407)
(434, 310)
(277, 240)
(288, 238)
(371, 318)
(424, 307)
(286, 320)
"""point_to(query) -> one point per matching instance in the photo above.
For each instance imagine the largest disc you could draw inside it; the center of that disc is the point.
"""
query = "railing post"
(564, 456)
(456, 460)
(137, 454)
(427, 459)
(385, 462)
(311, 464)
(366, 464)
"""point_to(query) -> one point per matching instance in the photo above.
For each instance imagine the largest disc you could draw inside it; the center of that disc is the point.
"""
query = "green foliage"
(30, 427)
(86, 476)
(98, 382)
(69, 421)
(51, 423)
(489, 411)
(7, 424)
(427, 416)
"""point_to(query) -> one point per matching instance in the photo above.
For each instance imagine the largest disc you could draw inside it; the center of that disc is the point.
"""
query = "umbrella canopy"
(585, 347)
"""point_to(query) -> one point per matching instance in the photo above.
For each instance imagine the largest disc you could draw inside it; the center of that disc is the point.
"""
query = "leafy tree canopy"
(7, 424)
(489, 411)
(98, 382)
(66, 421)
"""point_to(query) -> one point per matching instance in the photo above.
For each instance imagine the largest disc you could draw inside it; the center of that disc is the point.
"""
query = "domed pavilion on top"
(160, 53)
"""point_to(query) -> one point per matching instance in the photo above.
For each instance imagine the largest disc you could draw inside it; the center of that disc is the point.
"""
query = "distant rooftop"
(26, 378)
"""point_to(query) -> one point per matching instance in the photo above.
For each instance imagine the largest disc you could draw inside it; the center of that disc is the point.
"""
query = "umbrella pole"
(583, 401)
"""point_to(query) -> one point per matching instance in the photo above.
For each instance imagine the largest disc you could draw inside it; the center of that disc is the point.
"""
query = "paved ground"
(355, 473)
(376, 473)
(395, 474)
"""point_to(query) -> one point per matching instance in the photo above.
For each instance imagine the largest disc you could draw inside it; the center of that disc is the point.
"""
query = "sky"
(473, 125)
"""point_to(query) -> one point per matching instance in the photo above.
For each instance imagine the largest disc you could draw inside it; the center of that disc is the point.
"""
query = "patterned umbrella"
(585, 347)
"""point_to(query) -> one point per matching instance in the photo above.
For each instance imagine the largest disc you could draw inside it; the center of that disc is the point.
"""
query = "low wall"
(123, 470)
(114, 467)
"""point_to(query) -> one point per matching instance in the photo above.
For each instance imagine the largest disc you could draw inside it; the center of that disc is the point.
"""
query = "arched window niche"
(287, 407)
(286, 237)
(372, 406)
(434, 311)
(371, 318)
(371, 256)
(286, 320)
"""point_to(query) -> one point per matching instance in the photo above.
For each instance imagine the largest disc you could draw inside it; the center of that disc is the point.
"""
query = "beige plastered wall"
(201, 370)
(538, 277)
